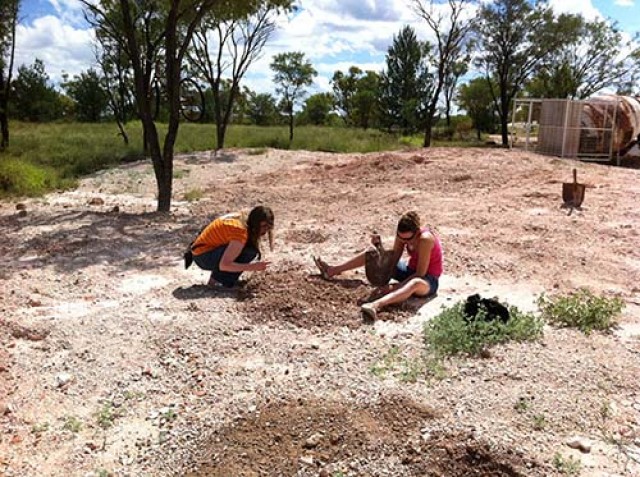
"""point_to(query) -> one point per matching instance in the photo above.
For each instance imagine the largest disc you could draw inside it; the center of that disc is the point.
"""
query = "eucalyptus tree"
(514, 37)
(293, 74)
(225, 46)
(156, 35)
(450, 24)
(595, 58)
(8, 20)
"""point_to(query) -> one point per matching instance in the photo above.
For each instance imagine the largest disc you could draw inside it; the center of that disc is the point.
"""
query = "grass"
(45, 157)
(193, 195)
(449, 334)
(72, 424)
(566, 465)
(582, 310)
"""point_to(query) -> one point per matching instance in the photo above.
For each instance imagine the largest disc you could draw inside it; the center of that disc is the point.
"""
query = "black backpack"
(494, 310)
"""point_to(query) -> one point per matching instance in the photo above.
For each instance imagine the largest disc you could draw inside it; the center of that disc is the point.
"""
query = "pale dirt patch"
(159, 371)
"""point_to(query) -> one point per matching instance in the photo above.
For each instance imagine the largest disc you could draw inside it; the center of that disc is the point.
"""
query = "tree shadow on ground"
(71, 240)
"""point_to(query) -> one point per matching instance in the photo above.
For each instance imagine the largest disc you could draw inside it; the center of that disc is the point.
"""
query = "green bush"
(582, 310)
(20, 178)
(450, 334)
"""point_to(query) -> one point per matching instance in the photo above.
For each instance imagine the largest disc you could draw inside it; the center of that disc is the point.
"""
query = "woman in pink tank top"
(417, 276)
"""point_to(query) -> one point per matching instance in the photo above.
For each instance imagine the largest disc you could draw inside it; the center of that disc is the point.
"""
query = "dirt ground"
(115, 360)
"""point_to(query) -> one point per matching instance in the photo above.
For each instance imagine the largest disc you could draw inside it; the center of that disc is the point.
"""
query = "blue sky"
(333, 34)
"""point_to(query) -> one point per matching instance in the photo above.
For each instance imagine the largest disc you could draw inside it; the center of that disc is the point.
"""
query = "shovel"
(572, 192)
(378, 265)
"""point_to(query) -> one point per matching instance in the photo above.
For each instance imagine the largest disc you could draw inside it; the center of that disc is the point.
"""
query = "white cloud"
(624, 3)
(60, 46)
(585, 7)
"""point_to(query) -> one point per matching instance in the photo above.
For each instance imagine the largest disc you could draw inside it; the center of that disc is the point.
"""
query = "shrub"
(450, 334)
(581, 309)
(24, 179)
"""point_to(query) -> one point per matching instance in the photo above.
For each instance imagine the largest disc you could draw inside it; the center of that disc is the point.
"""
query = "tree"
(406, 85)
(365, 101)
(262, 109)
(239, 43)
(118, 81)
(156, 36)
(451, 31)
(292, 75)
(595, 58)
(33, 97)
(476, 99)
(356, 95)
(345, 87)
(455, 71)
(317, 109)
(8, 19)
(514, 37)
(88, 93)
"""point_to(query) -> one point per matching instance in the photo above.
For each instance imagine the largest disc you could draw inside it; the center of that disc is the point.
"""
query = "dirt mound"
(305, 236)
(327, 438)
(308, 301)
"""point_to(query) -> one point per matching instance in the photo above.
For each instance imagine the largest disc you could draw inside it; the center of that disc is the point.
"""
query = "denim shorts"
(402, 272)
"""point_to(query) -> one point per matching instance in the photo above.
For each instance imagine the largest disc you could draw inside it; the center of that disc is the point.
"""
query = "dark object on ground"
(494, 310)
(188, 258)
(573, 192)
(378, 265)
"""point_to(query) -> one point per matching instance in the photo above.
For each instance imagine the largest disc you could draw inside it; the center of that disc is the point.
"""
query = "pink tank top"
(435, 261)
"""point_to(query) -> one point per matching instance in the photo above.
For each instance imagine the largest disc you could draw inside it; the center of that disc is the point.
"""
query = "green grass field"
(45, 157)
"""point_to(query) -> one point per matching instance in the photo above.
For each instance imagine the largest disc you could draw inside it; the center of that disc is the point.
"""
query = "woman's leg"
(353, 263)
(415, 286)
(211, 261)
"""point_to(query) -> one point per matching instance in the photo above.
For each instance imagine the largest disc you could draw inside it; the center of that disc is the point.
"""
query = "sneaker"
(369, 312)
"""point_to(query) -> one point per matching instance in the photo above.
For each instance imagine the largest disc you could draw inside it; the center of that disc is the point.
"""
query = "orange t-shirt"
(220, 232)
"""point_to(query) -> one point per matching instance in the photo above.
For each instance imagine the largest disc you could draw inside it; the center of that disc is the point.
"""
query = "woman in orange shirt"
(227, 246)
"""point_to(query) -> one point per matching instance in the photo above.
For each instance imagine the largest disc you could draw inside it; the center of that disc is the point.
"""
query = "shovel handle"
(575, 176)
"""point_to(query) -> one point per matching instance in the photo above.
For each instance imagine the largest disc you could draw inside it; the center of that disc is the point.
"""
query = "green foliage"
(262, 109)
(582, 310)
(566, 465)
(356, 96)
(605, 60)
(193, 195)
(406, 84)
(317, 109)
(72, 424)
(89, 95)
(449, 334)
(33, 98)
(475, 98)
(18, 178)
(106, 415)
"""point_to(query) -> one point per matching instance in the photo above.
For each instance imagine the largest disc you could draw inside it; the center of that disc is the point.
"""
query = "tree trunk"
(4, 124)
(290, 127)
(427, 134)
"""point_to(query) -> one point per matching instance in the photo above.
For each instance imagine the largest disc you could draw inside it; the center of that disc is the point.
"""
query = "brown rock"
(96, 201)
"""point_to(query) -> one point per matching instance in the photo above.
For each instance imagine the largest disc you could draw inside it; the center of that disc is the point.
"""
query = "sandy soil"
(115, 360)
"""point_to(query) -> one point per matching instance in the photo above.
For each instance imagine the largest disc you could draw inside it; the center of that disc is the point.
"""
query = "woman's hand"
(259, 266)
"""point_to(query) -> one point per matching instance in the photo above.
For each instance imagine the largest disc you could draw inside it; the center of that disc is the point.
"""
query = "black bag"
(494, 310)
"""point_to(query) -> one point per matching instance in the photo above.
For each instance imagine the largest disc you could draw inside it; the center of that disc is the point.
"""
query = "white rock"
(580, 443)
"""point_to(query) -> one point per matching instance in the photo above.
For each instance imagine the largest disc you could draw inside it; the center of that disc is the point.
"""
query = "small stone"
(63, 379)
(21, 206)
(580, 443)
(22, 213)
(313, 441)
(96, 201)
(306, 459)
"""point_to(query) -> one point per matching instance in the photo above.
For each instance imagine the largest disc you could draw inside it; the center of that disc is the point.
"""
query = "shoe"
(369, 312)
(322, 267)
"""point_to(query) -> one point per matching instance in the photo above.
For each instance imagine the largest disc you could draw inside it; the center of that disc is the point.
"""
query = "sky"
(333, 34)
